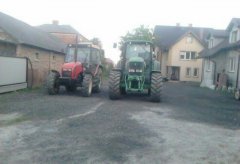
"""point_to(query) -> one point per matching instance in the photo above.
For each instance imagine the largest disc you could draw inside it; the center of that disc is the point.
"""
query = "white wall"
(208, 74)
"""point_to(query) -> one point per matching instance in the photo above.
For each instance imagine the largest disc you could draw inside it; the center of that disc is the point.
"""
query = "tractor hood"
(136, 66)
(70, 65)
(136, 59)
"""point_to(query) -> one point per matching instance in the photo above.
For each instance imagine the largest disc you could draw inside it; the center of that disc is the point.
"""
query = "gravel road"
(191, 125)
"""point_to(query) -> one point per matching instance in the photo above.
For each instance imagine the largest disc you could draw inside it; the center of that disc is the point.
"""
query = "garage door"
(13, 74)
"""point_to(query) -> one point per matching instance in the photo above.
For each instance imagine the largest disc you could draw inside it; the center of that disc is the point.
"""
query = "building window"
(233, 36)
(231, 65)
(37, 56)
(189, 39)
(188, 72)
(210, 43)
(187, 55)
(182, 55)
(195, 72)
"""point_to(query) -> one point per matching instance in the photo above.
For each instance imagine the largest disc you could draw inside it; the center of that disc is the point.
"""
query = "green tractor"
(137, 72)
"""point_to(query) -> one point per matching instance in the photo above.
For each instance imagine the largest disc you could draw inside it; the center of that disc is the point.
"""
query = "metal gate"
(13, 73)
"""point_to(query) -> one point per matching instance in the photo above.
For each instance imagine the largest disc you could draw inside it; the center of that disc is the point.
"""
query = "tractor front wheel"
(53, 83)
(156, 87)
(87, 85)
(114, 85)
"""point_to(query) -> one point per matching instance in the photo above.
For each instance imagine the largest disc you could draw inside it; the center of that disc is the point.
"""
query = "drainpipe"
(203, 70)
(238, 71)
(161, 59)
(214, 72)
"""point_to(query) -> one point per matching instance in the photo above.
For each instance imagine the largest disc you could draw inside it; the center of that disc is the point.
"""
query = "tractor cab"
(84, 56)
(85, 53)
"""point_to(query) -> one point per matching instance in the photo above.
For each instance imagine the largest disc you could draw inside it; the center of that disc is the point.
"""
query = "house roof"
(63, 29)
(234, 22)
(218, 33)
(55, 28)
(210, 52)
(166, 36)
(23, 33)
(225, 45)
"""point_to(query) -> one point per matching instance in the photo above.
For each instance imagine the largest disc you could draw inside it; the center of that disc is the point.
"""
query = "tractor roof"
(85, 44)
(138, 41)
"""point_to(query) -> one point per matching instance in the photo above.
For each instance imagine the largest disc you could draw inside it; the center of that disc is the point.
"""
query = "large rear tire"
(156, 87)
(114, 85)
(87, 85)
(53, 83)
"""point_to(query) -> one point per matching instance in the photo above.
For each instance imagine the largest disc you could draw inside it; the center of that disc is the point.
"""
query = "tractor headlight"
(139, 70)
(67, 69)
(131, 70)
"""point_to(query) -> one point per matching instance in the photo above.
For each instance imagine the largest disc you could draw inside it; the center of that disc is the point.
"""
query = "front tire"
(156, 87)
(87, 85)
(114, 85)
(53, 83)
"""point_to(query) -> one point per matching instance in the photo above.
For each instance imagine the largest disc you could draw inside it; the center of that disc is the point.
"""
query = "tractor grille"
(136, 68)
(66, 74)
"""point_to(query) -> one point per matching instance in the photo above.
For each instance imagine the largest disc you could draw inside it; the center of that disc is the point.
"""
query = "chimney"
(178, 24)
(55, 22)
(190, 25)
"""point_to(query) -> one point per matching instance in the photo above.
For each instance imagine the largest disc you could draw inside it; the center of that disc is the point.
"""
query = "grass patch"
(13, 121)
(6, 97)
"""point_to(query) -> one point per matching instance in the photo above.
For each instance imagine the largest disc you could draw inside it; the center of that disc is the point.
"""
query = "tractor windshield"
(82, 54)
(140, 50)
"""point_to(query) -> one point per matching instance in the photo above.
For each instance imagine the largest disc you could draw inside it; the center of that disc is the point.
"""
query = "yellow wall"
(174, 57)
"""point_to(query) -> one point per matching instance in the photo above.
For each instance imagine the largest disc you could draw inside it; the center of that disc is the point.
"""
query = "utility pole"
(76, 47)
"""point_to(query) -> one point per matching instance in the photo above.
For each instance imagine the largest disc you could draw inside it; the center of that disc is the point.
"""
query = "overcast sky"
(110, 19)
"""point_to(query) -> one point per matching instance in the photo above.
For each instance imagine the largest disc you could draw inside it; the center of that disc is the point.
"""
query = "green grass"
(13, 121)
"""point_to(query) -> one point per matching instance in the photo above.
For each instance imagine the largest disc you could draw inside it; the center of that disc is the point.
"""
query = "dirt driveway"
(190, 125)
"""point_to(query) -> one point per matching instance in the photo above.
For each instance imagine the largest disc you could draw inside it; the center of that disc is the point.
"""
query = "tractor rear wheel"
(97, 82)
(114, 85)
(156, 87)
(87, 85)
(53, 83)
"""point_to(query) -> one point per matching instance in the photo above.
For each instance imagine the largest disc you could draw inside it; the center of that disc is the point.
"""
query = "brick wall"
(43, 61)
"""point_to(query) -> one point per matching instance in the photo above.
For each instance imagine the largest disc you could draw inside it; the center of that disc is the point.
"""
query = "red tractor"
(82, 68)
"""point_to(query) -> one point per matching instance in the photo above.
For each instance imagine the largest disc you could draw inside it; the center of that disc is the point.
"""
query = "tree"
(139, 33)
(96, 41)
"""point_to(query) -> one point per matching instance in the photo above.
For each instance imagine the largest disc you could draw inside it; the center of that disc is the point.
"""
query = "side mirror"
(114, 45)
